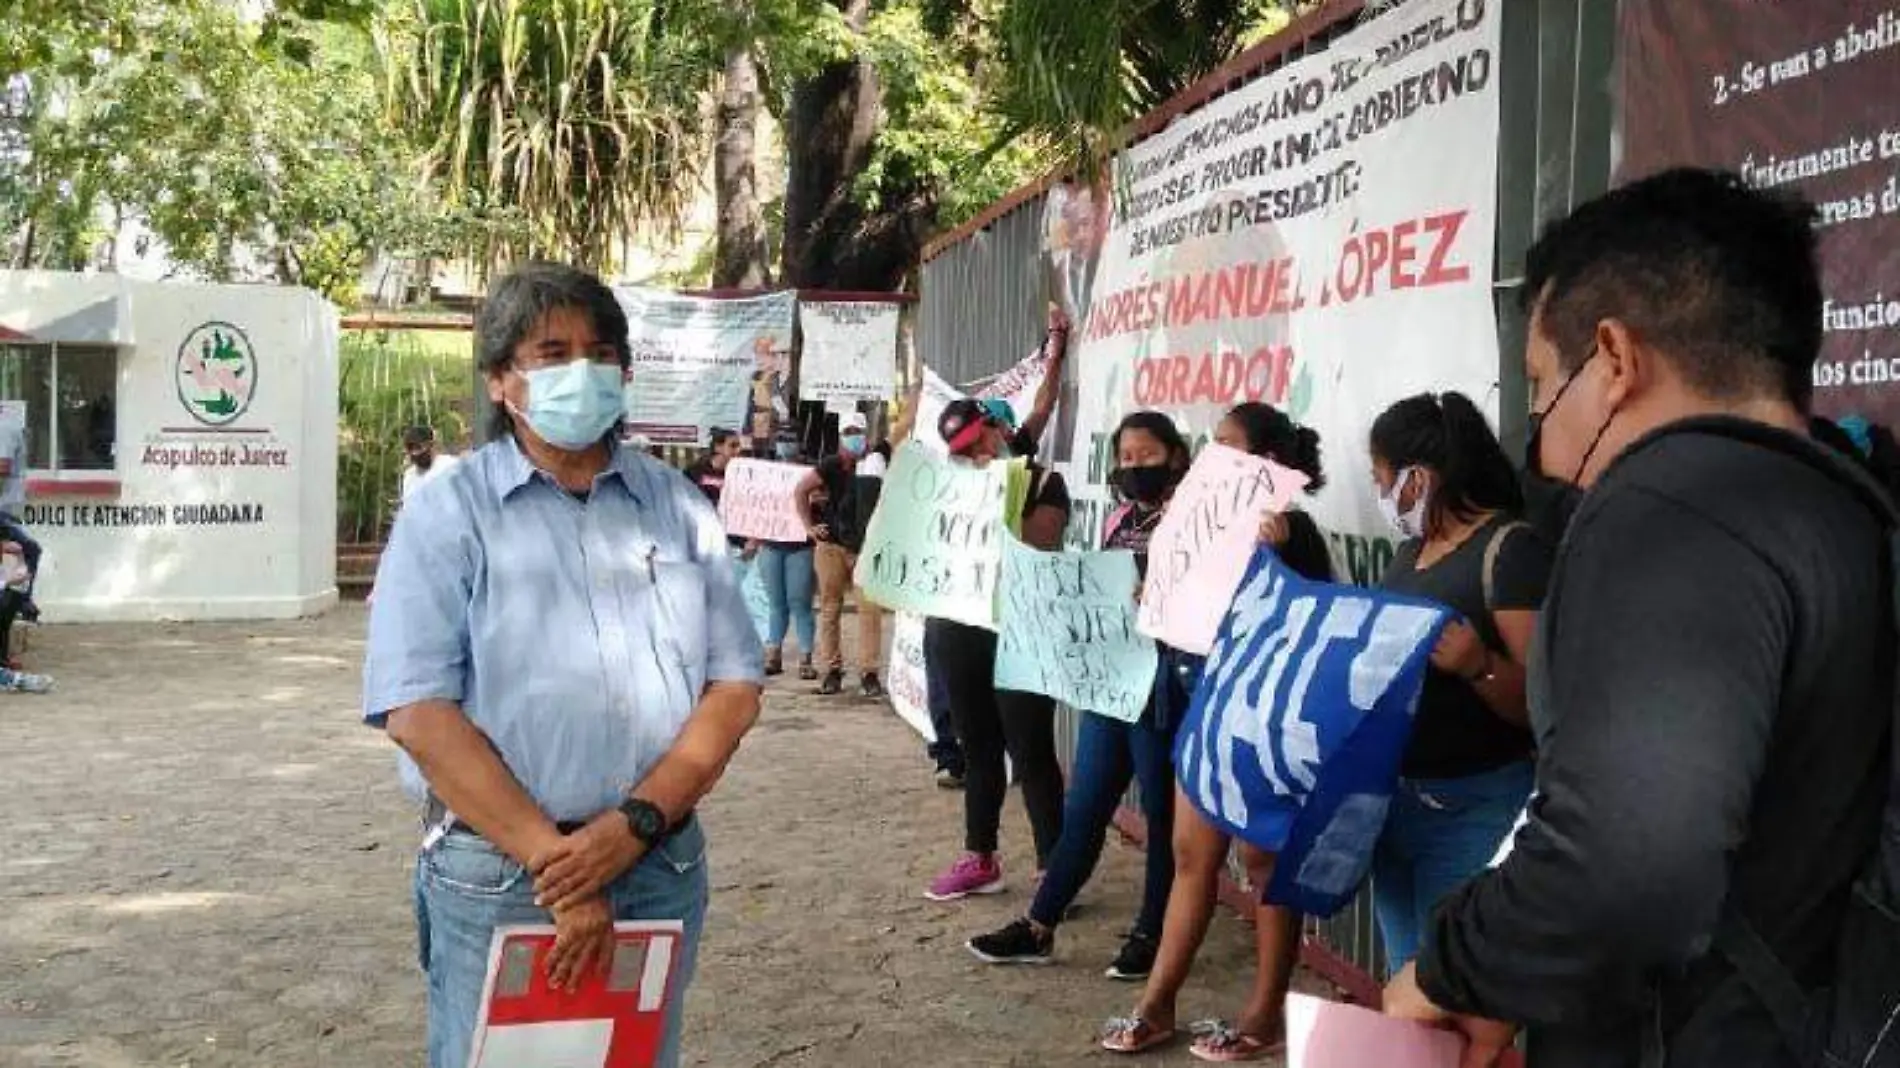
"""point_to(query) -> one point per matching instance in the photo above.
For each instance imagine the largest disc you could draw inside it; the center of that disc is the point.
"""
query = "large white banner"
(697, 361)
(1321, 240)
(850, 350)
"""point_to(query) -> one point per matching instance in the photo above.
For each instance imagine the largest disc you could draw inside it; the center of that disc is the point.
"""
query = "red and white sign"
(757, 500)
(617, 1019)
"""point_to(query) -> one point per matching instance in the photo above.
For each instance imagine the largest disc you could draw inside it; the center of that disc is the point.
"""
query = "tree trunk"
(739, 255)
(832, 241)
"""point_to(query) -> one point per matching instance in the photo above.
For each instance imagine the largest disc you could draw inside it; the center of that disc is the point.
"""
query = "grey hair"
(520, 300)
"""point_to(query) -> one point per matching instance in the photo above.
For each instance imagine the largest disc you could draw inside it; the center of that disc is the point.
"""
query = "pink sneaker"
(973, 873)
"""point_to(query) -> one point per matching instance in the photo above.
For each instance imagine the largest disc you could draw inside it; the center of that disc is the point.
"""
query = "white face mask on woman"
(1410, 523)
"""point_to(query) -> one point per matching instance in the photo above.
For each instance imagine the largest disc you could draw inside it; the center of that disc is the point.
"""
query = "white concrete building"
(182, 445)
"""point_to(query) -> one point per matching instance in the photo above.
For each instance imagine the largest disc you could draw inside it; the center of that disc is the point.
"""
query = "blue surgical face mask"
(571, 406)
(852, 444)
(785, 450)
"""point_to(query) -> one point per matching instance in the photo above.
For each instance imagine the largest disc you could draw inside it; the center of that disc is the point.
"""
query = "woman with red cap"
(990, 722)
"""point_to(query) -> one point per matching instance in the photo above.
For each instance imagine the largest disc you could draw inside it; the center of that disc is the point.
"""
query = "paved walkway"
(204, 860)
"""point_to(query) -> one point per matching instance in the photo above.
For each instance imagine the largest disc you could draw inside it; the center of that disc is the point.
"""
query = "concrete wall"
(212, 510)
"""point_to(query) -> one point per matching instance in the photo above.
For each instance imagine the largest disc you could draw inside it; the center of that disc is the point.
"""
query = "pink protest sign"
(1327, 1034)
(617, 1019)
(1201, 549)
(756, 501)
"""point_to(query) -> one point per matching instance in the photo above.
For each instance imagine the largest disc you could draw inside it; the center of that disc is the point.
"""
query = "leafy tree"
(585, 116)
(246, 149)
(1077, 74)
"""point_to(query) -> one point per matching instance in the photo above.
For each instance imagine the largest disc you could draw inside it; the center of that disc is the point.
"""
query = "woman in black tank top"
(1199, 848)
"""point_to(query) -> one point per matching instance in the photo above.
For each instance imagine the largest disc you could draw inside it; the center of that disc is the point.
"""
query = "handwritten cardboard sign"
(757, 500)
(1206, 539)
(935, 544)
(616, 1019)
(1067, 629)
(1327, 1034)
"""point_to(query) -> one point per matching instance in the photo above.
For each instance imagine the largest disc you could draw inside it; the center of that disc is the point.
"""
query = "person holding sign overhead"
(560, 649)
(992, 722)
(1199, 849)
(1447, 488)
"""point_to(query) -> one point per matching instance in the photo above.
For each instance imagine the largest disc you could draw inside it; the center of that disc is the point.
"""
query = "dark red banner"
(1793, 94)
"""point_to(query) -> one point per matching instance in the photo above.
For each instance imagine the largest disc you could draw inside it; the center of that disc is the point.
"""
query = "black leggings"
(990, 723)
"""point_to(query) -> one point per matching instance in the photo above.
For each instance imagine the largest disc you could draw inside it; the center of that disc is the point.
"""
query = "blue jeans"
(1439, 833)
(946, 752)
(465, 888)
(789, 584)
(1109, 754)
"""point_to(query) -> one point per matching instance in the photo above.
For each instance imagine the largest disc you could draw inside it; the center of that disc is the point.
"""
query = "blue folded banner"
(1296, 730)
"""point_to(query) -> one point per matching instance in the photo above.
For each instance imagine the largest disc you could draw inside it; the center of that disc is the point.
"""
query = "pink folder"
(1327, 1034)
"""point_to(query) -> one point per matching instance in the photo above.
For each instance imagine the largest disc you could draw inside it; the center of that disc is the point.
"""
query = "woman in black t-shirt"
(1151, 458)
(1446, 486)
(1199, 849)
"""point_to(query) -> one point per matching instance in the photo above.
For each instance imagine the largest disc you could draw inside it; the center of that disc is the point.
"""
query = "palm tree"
(585, 117)
(1076, 74)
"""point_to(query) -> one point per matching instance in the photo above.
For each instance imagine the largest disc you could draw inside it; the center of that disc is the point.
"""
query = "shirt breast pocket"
(680, 633)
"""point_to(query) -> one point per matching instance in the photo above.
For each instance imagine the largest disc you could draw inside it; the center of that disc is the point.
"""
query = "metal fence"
(982, 287)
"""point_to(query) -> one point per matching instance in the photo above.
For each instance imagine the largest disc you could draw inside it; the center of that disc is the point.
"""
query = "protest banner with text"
(935, 544)
(1067, 629)
(1200, 550)
(1295, 733)
(698, 363)
(757, 501)
(850, 351)
(1798, 97)
(1319, 239)
(909, 681)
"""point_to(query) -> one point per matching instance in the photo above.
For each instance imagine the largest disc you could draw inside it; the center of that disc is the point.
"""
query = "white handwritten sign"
(1068, 630)
(850, 350)
(935, 544)
(756, 501)
(1201, 549)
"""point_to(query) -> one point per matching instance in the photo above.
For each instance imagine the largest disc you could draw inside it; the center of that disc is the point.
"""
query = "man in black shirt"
(1713, 680)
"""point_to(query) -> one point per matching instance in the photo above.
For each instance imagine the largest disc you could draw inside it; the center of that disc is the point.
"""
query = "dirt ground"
(205, 859)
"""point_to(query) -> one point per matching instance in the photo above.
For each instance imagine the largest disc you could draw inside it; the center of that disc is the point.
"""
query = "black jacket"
(1712, 692)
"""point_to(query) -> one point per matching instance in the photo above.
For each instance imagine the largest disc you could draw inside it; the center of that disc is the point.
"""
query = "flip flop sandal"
(1141, 1036)
(1217, 1042)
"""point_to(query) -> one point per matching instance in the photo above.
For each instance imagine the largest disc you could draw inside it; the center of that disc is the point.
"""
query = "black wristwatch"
(644, 820)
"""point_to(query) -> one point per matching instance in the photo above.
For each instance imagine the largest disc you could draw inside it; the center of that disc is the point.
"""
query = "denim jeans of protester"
(465, 888)
(1438, 834)
(790, 582)
(1110, 754)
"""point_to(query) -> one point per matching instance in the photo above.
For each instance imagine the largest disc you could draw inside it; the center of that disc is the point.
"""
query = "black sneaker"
(1016, 944)
(29, 613)
(833, 684)
(1136, 959)
(871, 688)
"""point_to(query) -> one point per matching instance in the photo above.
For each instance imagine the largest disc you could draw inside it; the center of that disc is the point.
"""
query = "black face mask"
(1549, 503)
(1145, 485)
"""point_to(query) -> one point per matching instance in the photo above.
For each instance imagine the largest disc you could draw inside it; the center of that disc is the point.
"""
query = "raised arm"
(1055, 349)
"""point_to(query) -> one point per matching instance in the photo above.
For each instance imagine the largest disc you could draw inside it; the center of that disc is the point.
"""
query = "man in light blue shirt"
(560, 647)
